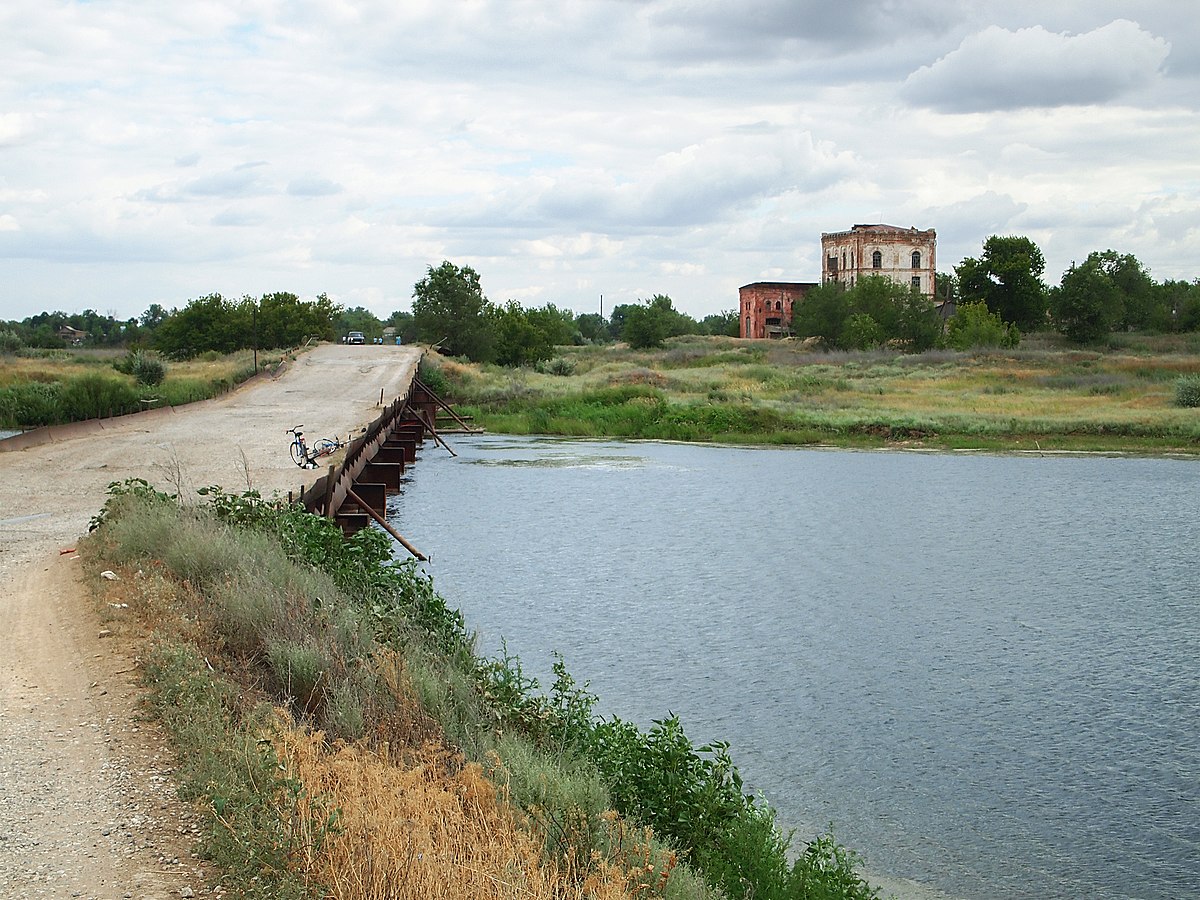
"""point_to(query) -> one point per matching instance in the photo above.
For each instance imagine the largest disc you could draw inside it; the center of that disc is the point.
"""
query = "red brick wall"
(768, 300)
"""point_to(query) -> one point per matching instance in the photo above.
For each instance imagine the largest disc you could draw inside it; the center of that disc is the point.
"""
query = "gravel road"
(87, 799)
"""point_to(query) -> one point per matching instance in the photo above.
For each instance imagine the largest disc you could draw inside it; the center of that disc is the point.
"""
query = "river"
(983, 669)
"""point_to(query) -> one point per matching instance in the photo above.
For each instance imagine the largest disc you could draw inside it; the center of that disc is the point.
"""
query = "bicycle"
(306, 457)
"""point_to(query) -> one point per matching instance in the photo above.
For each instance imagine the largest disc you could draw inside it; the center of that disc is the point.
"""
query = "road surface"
(87, 800)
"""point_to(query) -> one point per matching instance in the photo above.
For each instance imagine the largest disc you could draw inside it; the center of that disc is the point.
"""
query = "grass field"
(1043, 395)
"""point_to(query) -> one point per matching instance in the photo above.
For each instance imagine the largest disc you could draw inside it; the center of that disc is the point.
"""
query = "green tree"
(592, 328)
(974, 325)
(822, 313)
(727, 323)
(1008, 278)
(861, 332)
(1140, 302)
(284, 320)
(524, 337)
(644, 326)
(358, 318)
(206, 323)
(451, 311)
(1180, 301)
(405, 325)
(1087, 304)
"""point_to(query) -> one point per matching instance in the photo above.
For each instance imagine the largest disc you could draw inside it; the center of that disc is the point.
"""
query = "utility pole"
(602, 306)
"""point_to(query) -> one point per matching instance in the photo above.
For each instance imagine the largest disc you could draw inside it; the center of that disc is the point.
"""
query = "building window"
(832, 265)
(876, 260)
(778, 306)
(916, 259)
(916, 282)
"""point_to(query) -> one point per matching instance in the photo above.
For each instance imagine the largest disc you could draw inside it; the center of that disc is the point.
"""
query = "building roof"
(779, 284)
(879, 229)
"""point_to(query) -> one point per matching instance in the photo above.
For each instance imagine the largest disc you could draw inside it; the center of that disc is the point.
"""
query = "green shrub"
(1187, 391)
(10, 342)
(31, 404)
(96, 396)
(974, 326)
(560, 365)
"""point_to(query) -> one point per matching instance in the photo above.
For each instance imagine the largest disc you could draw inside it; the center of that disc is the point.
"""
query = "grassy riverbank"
(345, 740)
(1043, 395)
(51, 387)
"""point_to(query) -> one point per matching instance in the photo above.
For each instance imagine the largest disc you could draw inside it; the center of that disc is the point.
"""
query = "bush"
(96, 396)
(10, 342)
(558, 366)
(974, 326)
(30, 405)
(1187, 391)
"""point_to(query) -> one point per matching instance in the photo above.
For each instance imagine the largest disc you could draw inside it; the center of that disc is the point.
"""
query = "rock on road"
(87, 801)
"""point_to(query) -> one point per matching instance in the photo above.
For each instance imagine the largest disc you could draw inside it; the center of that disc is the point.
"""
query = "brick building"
(907, 256)
(766, 307)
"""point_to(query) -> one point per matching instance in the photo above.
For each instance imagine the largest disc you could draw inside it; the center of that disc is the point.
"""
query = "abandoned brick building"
(766, 307)
(905, 255)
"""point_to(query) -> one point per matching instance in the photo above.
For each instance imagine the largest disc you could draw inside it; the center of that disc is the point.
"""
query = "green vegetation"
(257, 606)
(1187, 391)
(52, 387)
(1044, 394)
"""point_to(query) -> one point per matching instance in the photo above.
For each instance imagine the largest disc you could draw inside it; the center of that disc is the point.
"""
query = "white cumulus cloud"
(997, 69)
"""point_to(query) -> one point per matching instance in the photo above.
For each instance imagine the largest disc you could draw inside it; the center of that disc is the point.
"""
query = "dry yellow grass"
(421, 831)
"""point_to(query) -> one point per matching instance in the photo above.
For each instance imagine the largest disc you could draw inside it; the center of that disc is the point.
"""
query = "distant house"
(72, 335)
(766, 307)
(907, 256)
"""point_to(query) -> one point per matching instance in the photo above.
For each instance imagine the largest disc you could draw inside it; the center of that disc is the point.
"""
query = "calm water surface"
(982, 669)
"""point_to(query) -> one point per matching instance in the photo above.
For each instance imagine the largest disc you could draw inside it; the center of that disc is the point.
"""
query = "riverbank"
(1042, 396)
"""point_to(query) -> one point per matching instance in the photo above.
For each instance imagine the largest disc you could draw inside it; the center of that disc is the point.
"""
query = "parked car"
(355, 337)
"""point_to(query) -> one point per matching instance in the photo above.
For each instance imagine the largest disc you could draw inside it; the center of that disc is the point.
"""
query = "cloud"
(313, 186)
(242, 181)
(696, 184)
(997, 69)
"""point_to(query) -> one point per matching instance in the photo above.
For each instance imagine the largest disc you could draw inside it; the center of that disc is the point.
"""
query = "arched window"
(877, 260)
(916, 259)
(778, 305)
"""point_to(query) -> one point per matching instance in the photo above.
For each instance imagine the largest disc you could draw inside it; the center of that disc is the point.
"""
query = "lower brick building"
(766, 307)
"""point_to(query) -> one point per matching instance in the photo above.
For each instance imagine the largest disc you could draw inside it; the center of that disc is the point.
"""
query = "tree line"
(449, 311)
(998, 296)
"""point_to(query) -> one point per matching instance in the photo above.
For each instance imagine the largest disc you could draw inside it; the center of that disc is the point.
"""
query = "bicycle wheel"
(324, 447)
(299, 457)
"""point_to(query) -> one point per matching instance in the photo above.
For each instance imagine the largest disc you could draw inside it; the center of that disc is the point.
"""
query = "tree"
(1139, 300)
(206, 323)
(973, 325)
(154, 316)
(592, 328)
(1180, 301)
(358, 318)
(727, 322)
(822, 313)
(1087, 304)
(450, 310)
(645, 326)
(284, 320)
(1008, 278)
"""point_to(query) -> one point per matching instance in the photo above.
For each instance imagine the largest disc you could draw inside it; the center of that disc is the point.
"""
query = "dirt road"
(87, 804)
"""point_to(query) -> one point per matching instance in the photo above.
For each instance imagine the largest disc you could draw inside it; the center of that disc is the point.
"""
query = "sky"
(159, 152)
